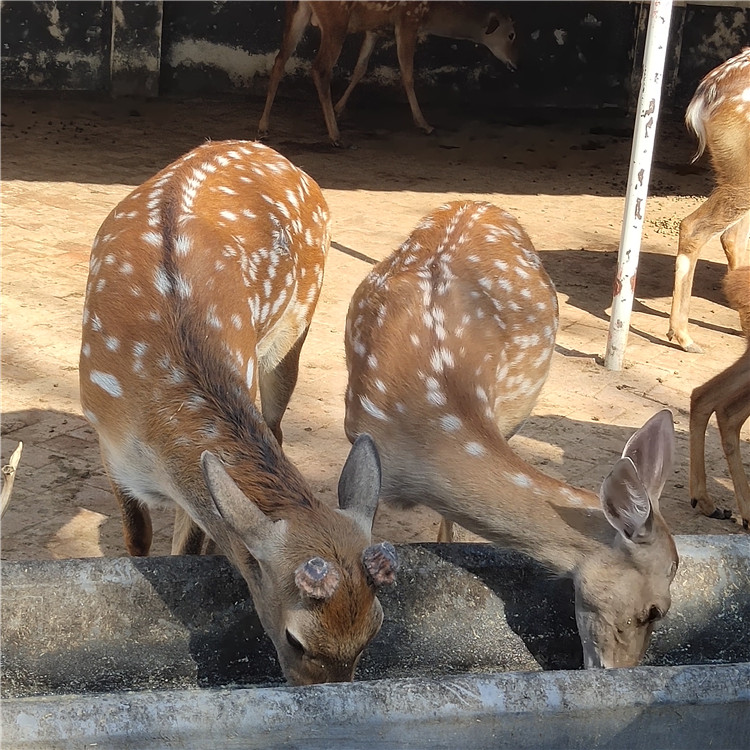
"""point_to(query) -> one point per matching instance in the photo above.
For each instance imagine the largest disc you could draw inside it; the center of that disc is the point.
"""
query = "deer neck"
(479, 483)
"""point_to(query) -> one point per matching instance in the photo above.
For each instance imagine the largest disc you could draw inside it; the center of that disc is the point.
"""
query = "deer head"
(319, 611)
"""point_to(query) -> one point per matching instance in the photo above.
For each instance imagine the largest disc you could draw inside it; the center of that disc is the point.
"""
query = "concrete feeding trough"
(168, 653)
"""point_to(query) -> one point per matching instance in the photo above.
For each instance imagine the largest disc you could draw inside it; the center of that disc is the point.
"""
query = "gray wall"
(576, 55)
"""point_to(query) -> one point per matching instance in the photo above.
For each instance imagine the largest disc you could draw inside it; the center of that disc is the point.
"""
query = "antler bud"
(317, 578)
(381, 563)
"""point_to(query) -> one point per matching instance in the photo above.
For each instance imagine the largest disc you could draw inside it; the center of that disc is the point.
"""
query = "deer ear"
(359, 484)
(234, 510)
(381, 563)
(626, 503)
(651, 449)
(492, 26)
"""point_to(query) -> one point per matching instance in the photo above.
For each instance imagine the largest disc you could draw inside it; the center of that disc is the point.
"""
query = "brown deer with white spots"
(727, 395)
(448, 343)
(719, 115)
(201, 289)
(476, 22)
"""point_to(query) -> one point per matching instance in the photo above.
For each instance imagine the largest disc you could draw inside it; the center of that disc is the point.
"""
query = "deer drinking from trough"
(476, 22)
(201, 289)
(728, 395)
(448, 343)
(719, 115)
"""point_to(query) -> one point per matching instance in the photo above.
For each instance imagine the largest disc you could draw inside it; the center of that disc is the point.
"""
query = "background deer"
(476, 22)
(727, 394)
(448, 342)
(201, 288)
(719, 115)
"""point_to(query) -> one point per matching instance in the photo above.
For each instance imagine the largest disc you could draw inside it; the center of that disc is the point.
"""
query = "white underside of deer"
(201, 288)
(448, 342)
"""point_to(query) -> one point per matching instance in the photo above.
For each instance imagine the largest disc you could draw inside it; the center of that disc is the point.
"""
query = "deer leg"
(295, 23)
(406, 42)
(368, 45)
(722, 209)
(136, 523)
(331, 41)
(731, 415)
(276, 385)
(187, 536)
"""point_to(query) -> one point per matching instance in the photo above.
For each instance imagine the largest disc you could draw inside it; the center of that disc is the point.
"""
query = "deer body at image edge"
(476, 22)
(728, 396)
(719, 114)
(201, 288)
(448, 342)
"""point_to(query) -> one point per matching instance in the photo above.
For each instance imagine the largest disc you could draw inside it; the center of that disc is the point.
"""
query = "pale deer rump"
(727, 85)
(719, 115)
(448, 343)
(462, 311)
(728, 396)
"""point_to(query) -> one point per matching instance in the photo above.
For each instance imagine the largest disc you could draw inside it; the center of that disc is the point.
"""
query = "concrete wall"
(574, 55)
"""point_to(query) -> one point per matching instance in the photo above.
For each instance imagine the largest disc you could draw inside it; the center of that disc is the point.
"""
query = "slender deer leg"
(368, 45)
(735, 242)
(731, 415)
(276, 386)
(331, 41)
(187, 536)
(701, 408)
(295, 23)
(719, 211)
(406, 42)
(136, 523)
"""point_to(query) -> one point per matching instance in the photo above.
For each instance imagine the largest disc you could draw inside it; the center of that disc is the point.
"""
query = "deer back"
(465, 306)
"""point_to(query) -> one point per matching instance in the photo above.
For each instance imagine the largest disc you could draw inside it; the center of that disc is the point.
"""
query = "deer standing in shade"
(476, 22)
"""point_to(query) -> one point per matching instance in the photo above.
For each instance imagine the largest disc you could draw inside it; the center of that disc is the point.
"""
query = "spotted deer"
(201, 288)
(719, 115)
(728, 396)
(475, 22)
(448, 343)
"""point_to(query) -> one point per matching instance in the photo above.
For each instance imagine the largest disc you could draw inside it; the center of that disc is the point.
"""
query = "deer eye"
(294, 643)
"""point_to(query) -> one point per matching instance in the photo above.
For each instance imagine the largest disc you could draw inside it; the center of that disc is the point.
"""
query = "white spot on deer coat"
(373, 410)
(475, 449)
(107, 382)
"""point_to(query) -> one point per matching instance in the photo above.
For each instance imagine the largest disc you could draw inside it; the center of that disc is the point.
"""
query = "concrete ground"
(67, 160)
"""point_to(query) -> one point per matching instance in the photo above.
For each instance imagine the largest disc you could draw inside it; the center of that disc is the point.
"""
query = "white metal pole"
(644, 133)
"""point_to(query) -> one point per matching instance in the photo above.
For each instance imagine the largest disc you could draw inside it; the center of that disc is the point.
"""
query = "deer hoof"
(693, 348)
(745, 524)
(693, 502)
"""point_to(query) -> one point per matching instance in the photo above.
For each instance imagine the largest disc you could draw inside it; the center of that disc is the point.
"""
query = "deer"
(448, 342)
(728, 396)
(719, 115)
(202, 284)
(476, 22)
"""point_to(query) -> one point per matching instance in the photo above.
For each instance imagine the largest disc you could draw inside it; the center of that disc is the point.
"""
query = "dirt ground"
(67, 161)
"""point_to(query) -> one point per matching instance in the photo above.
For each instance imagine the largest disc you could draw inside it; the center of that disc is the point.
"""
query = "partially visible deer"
(728, 395)
(448, 342)
(201, 288)
(719, 115)
(476, 22)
